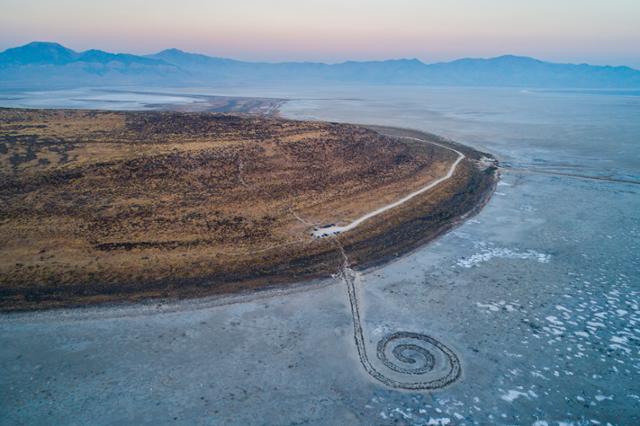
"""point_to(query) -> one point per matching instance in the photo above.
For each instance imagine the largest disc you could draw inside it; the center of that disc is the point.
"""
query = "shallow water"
(538, 295)
(91, 98)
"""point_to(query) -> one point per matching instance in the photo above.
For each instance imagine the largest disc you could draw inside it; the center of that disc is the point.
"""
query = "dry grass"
(99, 204)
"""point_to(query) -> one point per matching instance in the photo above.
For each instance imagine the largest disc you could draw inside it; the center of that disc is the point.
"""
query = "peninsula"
(105, 206)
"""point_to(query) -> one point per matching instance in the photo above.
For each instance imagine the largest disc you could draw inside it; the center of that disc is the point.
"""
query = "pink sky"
(599, 32)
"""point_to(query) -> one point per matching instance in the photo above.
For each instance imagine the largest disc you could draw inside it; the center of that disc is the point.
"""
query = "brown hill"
(103, 206)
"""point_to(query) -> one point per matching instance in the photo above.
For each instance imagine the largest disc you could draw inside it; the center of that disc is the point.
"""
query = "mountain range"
(46, 65)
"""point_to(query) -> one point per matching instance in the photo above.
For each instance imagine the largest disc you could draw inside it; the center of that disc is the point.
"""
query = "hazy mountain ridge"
(44, 64)
(43, 53)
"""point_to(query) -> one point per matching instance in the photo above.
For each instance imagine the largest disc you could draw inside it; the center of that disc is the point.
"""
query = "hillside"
(101, 206)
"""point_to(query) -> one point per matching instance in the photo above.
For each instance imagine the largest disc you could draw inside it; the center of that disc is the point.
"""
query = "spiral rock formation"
(428, 363)
(419, 355)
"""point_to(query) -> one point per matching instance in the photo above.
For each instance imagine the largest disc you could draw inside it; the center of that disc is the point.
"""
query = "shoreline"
(444, 228)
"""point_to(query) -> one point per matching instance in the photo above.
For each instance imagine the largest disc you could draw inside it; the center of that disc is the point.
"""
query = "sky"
(592, 31)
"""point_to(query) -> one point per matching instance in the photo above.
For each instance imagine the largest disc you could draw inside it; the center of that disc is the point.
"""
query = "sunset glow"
(335, 30)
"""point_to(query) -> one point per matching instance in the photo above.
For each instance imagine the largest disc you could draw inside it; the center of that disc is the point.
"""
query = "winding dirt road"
(332, 230)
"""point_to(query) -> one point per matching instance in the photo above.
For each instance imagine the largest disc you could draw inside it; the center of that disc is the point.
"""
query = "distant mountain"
(38, 53)
(42, 64)
(42, 53)
(190, 60)
(101, 57)
(512, 70)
